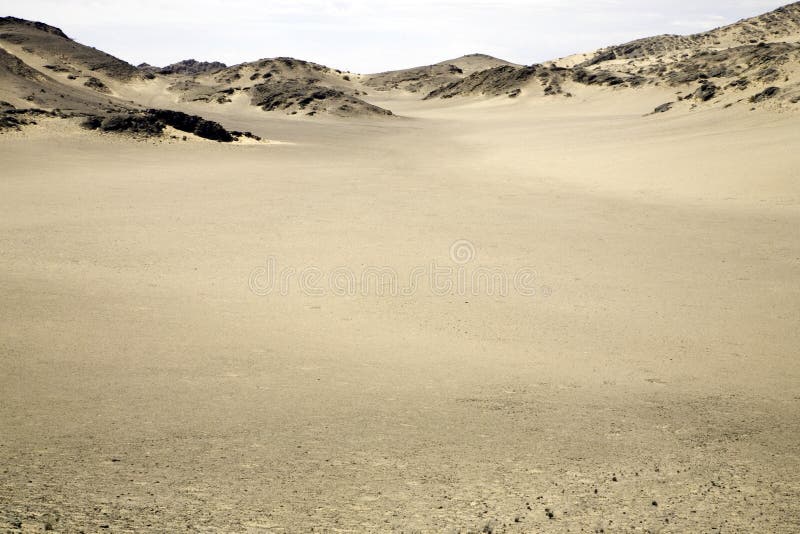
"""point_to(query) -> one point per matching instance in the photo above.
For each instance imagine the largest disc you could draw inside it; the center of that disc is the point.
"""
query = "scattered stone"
(237, 134)
(601, 77)
(192, 67)
(663, 108)
(706, 91)
(740, 84)
(97, 85)
(766, 94)
(57, 68)
(293, 95)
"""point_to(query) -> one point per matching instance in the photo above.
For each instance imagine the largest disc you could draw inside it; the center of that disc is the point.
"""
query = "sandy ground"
(651, 383)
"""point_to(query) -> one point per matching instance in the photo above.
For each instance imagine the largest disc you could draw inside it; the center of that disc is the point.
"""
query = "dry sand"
(650, 385)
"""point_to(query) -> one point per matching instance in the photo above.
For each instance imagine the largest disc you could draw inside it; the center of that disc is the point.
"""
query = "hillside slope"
(754, 62)
(286, 85)
(59, 53)
(431, 77)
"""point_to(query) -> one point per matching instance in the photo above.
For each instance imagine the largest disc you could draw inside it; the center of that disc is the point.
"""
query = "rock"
(601, 77)
(293, 95)
(249, 135)
(741, 83)
(601, 57)
(97, 85)
(192, 124)
(192, 67)
(706, 91)
(663, 108)
(152, 123)
(57, 68)
(494, 81)
(13, 119)
(126, 123)
(766, 94)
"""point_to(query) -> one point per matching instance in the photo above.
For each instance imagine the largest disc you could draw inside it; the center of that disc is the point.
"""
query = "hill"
(430, 77)
(752, 62)
(286, 85)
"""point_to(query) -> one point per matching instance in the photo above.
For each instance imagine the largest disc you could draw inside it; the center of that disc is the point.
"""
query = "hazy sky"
(370, 36)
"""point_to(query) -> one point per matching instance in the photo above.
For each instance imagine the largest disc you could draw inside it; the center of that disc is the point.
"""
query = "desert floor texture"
(651, 383)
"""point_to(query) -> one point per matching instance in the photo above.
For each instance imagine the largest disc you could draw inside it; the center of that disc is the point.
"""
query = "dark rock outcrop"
(294, 96)
(494, 82)
(192, 67)
(766, 94)
(41, 26)
(97, 85)
(151, 123)
(137, 124)
(706, 91)
(192, 124)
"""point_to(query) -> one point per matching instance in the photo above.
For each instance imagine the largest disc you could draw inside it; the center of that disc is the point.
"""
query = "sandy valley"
(649, 382)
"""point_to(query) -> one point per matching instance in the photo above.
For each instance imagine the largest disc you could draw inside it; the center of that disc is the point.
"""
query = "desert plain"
(648, 382)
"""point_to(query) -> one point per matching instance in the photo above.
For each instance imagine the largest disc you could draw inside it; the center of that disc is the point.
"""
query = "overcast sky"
(370, 36)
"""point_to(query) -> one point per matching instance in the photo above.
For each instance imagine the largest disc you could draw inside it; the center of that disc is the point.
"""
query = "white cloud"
(368, 36)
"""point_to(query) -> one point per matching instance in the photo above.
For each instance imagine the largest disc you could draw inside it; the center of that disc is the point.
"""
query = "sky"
(370, 36)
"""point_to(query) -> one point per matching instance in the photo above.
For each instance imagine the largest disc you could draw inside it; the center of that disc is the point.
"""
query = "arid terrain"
(648, 382)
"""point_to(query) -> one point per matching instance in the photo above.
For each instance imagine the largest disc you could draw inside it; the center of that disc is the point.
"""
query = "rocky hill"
(430, 77)
(44, 74)
(755, 61)
(751, 61)
(43, 67)
(185, 67)
(55, 51)
(284, 85)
